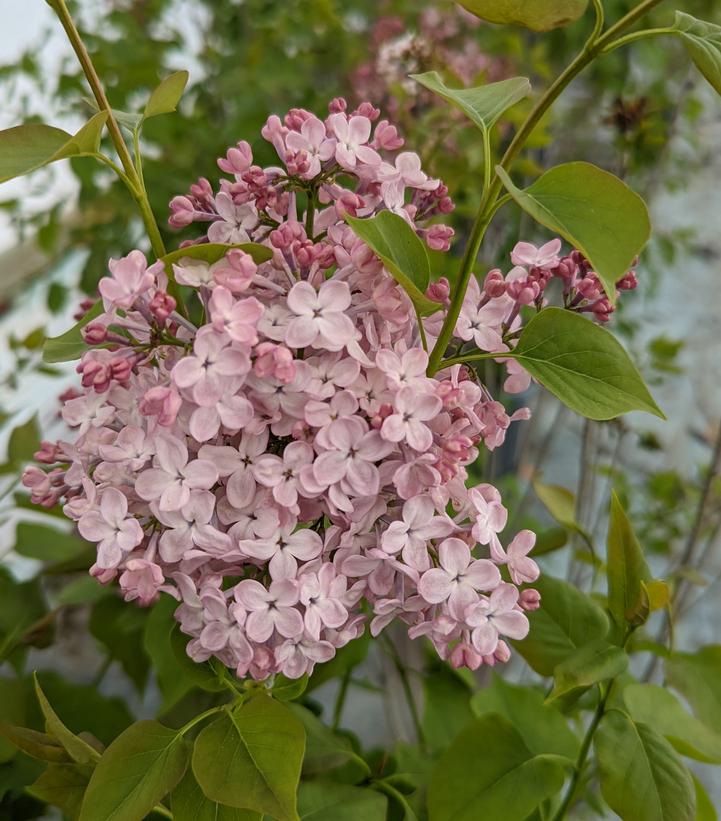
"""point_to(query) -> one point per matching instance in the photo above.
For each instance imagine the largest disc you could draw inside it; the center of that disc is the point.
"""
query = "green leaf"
(166, 96)
(46, 543)
(593, 210)
(627, 570)
(697, 676)
(401, 251)
(211, 252)
(561, 504)
(70, 345)
(539, 15)
(583, 365)
(38, 745)
(566, 621)
(703, 43)
(594, 662)
(346, 659)
(324, 750)
(24, 441)
(22, 606)
(659, 708)
(189, 803)
(705, 810)
(26, 148)
(542, 726)
(83, 590)
(259, 745)
(488, 772)
(288, 689)
(138, 769)
(63, 786)
(483, 105)
(119, 627)
(327, 801)
(447, 708)
(79, 750)
(642, 778)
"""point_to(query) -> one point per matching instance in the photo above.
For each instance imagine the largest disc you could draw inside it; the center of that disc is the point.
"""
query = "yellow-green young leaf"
(592, 209)
(626, 569)
(79, 750)
(703, 43)
(483, 105)
(251, 758)
(142, 765)
(594, 662)
(63, 786)
(327, 801)
(543, 727)
(658, 707)
(35, 744)
(189, 803)
(401, 251)
(657, 593)
(697, 676)
(642, 778)
(705, 810)
(488, 772)
(211, 252)
(26, 148)
(71, 344)
(567, 620)
(166, 96)
(539, 15)
(582, 364)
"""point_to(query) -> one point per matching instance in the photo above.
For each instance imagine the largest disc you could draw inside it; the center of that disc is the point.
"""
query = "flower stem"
(340, 700)
(201, 717)
(594, 47)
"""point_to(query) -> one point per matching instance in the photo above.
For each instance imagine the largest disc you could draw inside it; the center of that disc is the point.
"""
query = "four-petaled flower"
(110, 525)
(319, 316)
(495, 616)
(412, 410)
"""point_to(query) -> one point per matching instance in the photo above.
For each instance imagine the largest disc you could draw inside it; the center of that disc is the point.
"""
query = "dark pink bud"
(530, 599)
(628, 282)
(48, 453)
(161, 306)
(589, 287)
(182, 212)
(463, 655)
(95, 333)
(494, 284)
(439, 237)
(439, 291)
(237, 160)
(368, 110)
(83, 308)
(337, 105)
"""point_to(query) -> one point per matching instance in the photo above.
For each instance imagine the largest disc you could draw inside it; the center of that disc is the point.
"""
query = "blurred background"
(641, 113)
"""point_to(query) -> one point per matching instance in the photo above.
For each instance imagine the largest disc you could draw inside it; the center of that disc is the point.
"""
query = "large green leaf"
(211, 252)
(593, 662)
(659, 708)
(166, 96)
(539, 15)
(567, 620)
(327, 801)
(251, 758)
(26, 148)
(488, 772)
(446, 708)
(542, 726)
(703, 43)
(137, 771)
(697, 676)
(38, 745)
(70, 345)
(642, 778)
(38, 541)
(583, 365)
(705, 810)
(483, 105)
(592, 209)
(189, 803)
(627, 571)
(401, 251)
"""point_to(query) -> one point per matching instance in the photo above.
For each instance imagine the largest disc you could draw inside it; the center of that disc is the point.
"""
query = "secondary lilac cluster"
(274, 453)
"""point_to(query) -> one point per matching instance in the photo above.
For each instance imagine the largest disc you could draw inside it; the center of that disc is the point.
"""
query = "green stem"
(201, 717)
(637, 35)
(594, 46)
(583, 755)
(340, 700)
(472, 357)
(131, 173)
(159, 809)
(407, 691)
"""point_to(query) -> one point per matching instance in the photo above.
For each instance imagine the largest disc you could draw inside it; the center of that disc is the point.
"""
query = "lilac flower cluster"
(285, 457)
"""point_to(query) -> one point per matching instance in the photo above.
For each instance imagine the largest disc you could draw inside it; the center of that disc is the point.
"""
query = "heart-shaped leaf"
(251, 758)
(539, 15)
(483, 105)
(593, 210)
(703, 43)
(488, 772)
(166, 96)
(26, 148)
(583, 365)
(697, 676)
(401, 251)
(596, 661)
(642, 778)
(189, 803)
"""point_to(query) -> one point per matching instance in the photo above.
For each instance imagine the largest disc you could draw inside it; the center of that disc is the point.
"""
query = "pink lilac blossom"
(287, 465)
